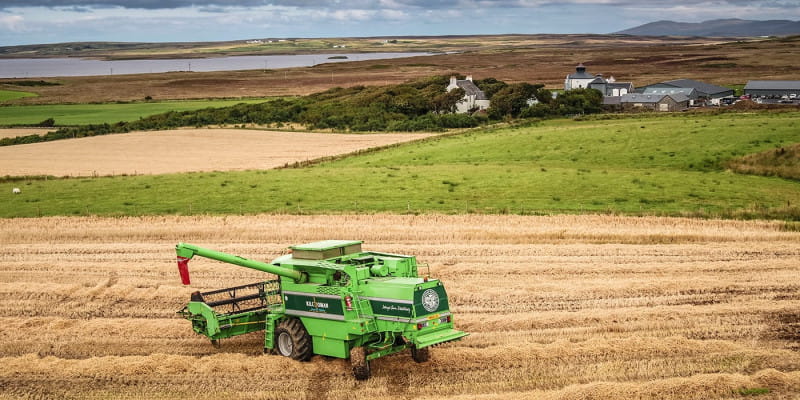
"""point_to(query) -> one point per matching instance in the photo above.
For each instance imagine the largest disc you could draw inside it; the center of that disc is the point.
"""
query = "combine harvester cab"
(331, 299)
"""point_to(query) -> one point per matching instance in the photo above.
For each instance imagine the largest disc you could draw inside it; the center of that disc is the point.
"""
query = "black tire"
(358, 360)
(421, 355)
(292, 340)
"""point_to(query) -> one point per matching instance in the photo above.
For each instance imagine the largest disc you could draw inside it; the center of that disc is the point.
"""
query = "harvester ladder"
(360, 306)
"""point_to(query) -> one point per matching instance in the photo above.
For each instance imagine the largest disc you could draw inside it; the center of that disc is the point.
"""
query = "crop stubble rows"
(557, 307)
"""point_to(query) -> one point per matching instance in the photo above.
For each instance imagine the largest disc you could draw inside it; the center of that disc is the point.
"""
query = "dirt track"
(14, 132)
(557, 307)
(183, 150)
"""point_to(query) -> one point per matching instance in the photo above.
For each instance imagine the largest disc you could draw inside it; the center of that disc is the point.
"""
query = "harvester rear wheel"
(358, 360)
(292, 340)
(421, 355)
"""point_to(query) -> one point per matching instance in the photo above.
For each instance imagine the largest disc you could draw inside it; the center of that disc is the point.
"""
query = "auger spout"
(186, 251)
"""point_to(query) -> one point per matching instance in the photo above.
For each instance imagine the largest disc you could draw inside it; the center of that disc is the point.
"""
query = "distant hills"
(718, 27)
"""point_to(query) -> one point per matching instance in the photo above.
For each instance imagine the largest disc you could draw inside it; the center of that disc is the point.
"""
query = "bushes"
(50, 122)
(512, 101)
(578, 101)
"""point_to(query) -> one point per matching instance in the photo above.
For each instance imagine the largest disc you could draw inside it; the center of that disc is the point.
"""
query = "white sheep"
(16, 191)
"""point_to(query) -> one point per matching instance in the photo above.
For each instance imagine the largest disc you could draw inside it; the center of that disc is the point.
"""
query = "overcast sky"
(53, 21)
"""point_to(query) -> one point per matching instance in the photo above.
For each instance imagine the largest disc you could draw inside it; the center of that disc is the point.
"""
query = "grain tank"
(332, 299)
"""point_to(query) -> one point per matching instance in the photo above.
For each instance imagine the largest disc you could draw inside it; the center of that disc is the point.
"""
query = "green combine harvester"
(331, 299)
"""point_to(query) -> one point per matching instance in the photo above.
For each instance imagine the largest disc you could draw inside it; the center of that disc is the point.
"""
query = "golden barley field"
(558, 307)
(184, 150)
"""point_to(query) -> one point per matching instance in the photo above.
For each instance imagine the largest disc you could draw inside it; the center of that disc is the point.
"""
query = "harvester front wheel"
(358, 360)
(421, 355)
(292, 340)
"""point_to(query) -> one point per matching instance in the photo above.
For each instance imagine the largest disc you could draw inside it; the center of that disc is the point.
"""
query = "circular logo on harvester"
(430, 300)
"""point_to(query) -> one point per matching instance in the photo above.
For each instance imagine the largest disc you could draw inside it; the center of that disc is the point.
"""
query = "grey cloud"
(77, 9)
(376, 4)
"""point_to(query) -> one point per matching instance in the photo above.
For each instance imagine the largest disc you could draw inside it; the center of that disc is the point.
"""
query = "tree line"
(419, 105)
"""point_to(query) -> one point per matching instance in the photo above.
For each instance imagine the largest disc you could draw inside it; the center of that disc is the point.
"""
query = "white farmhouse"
(581, 79)
(474, 98)
(584, 80)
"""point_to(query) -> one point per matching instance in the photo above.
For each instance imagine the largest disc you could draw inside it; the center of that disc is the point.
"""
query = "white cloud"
(394, 15)
(13, 23)
(351, 15)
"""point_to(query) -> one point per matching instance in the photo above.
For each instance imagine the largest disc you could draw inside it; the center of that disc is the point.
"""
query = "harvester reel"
(292, 340)
(358, 360)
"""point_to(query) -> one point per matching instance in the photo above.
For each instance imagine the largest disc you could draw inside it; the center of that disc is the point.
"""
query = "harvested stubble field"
(183, 150)
(570, 307)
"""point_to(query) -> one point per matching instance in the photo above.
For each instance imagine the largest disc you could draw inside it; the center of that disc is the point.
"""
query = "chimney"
(469, 78)
(453, 80)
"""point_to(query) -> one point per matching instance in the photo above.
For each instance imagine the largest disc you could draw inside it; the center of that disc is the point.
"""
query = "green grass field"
(82, 114)
(665, 165)
(6, 95)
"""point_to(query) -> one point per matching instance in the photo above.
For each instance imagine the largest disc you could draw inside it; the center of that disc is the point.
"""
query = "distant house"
(772, 88)
(712, 93)
(655, 102)
(474, 98)
(580, 79)
(584, 80)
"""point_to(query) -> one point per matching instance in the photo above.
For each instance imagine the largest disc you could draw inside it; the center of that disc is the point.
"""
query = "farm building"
(611, 87)
(584, 80)
(772, 88)
(612, 103)
(712, 93)
(655, 102)
(691, 93)
(474, 98)
(580, 79)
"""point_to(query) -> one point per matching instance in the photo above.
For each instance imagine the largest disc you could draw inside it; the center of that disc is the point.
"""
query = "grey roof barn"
(656, 102)
(772, 88)
(691, 93)
(703, 89)
(652, 98)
